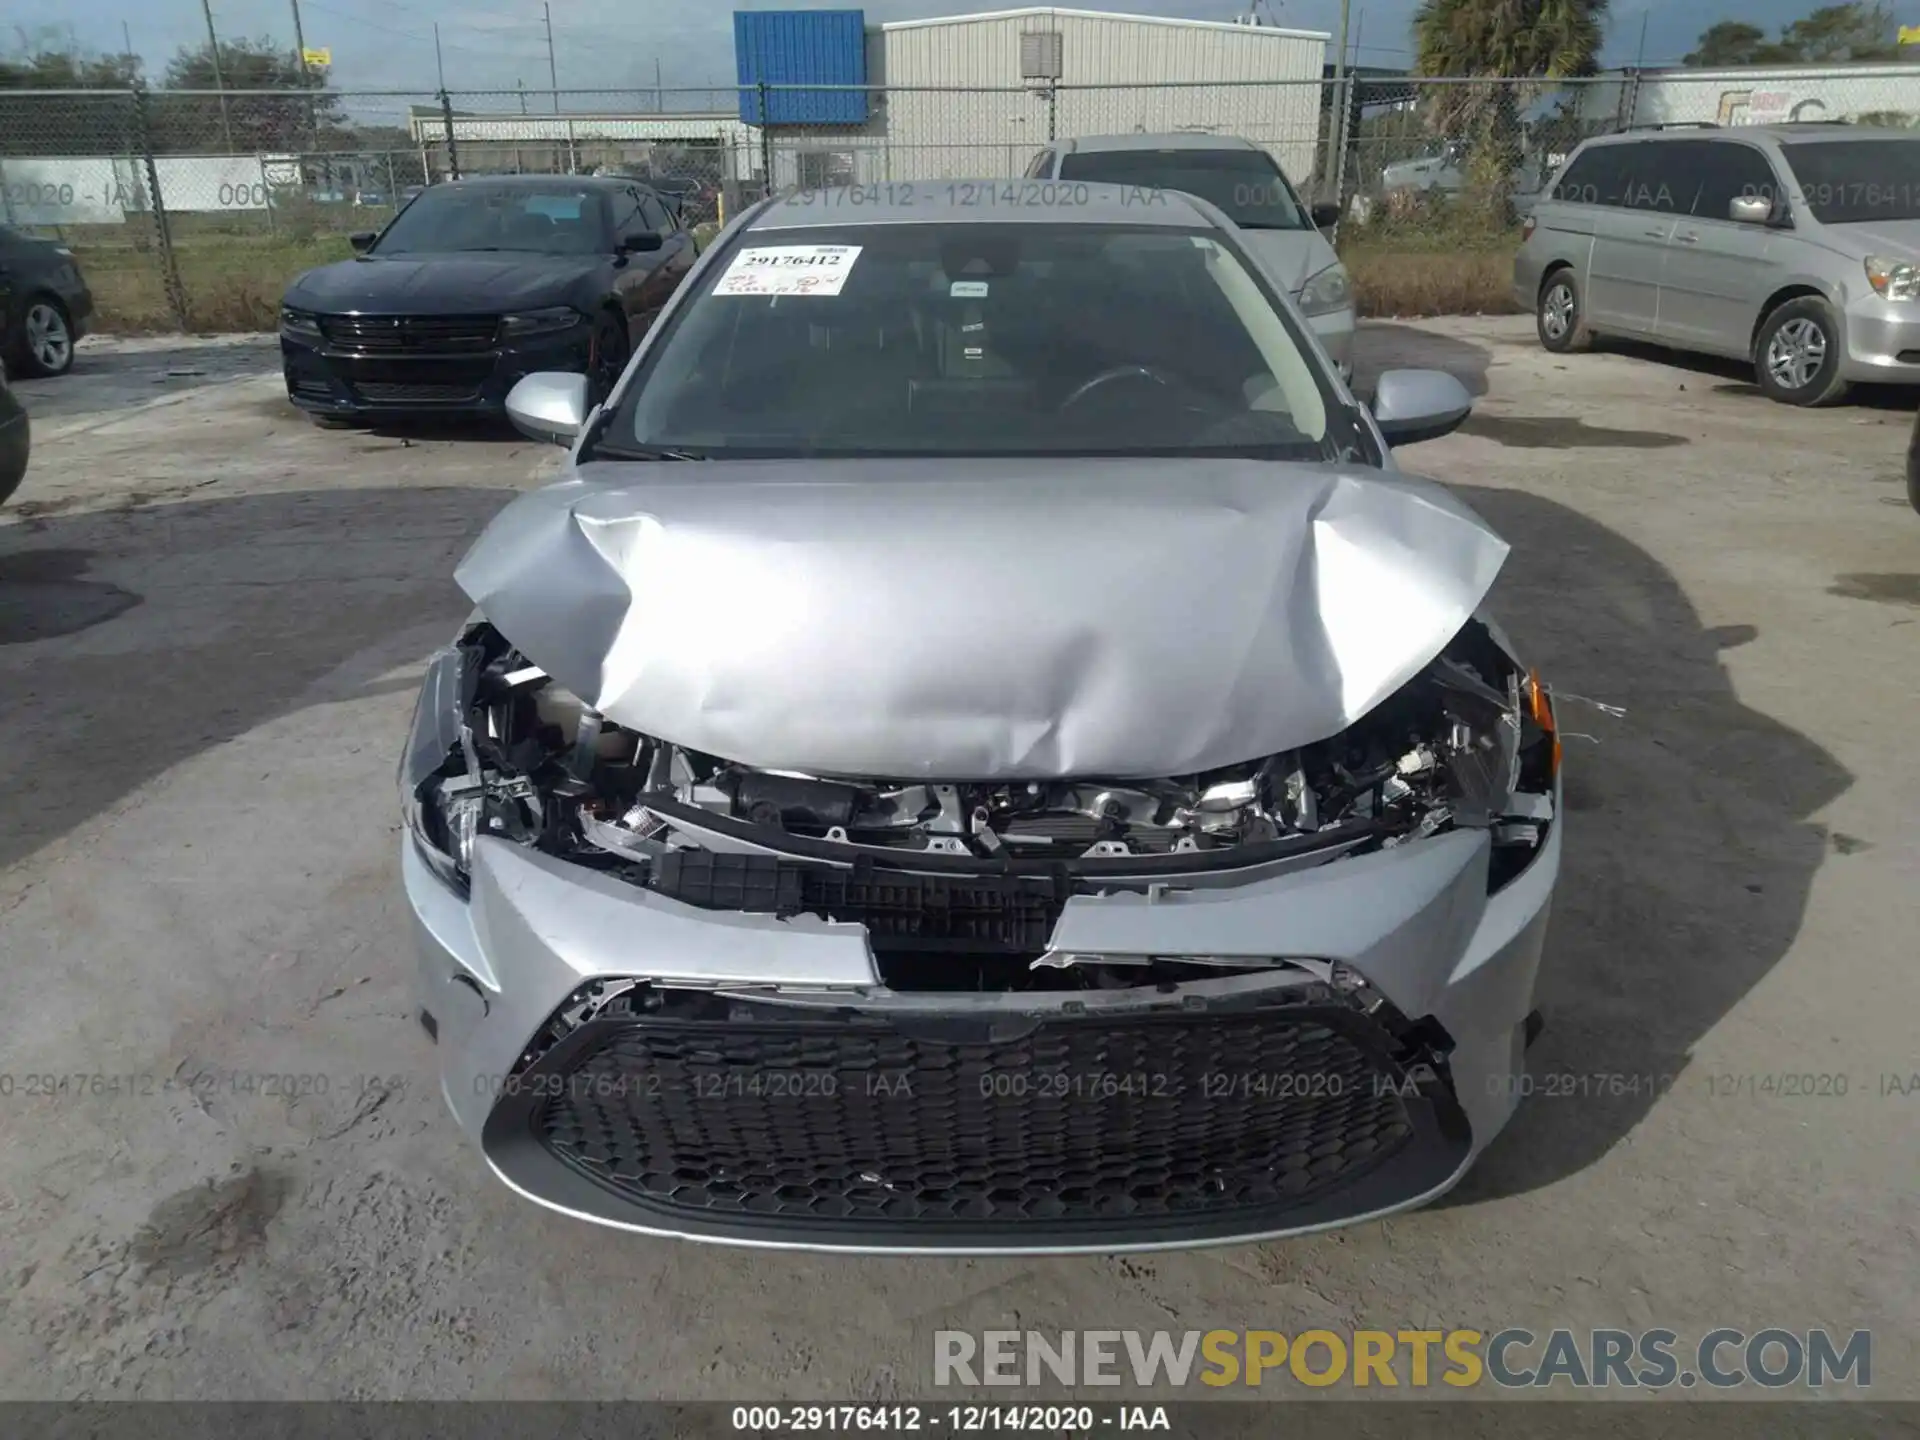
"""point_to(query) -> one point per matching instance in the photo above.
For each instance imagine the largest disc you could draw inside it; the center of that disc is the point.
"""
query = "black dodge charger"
(476, 283)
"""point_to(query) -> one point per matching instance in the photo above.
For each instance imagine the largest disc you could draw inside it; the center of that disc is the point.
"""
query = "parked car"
(16, 439)
(1247, 185)
(982, 750)
(1442, 171)
(475, 284)
(45, 306)
(698, 200)
(1786, 245)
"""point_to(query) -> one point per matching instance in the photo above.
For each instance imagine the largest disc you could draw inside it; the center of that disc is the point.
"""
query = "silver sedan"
(981, 751)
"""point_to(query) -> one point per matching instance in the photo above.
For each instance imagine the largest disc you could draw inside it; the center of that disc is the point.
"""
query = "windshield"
(1246, 184)
(979, 339)
(560, 219)
(1844, 182)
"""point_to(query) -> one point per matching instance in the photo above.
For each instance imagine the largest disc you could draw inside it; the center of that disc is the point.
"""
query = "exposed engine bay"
(971, 872)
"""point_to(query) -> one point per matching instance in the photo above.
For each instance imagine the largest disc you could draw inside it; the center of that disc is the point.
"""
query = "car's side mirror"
(362, 240)
(1325, 217)
(549, 406)
(640, 240)
(1750, 209)
(1410, 406)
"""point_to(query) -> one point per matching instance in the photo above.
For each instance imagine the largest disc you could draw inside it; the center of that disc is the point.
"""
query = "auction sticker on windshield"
(789, 270)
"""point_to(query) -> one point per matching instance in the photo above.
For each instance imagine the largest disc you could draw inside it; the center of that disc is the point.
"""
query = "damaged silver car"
(982, 751)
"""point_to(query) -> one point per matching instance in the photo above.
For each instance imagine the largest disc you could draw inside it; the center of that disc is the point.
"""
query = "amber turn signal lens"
(1540, 707)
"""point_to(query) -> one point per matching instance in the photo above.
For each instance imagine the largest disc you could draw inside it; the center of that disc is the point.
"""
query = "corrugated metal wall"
(801, 47)
(985, 134)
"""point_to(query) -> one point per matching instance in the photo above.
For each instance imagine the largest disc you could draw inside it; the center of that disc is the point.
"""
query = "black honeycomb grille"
(1132, 1121)
(387, 392)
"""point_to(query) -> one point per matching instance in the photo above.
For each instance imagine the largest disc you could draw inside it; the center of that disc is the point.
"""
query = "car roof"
(1172, 140)
(538, 182)
(983, 202)
(1796, 132)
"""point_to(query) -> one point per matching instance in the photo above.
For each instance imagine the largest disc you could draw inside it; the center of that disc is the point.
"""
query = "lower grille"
(313, 389)
(387, 392)
(1088, 1127)
(902, 912)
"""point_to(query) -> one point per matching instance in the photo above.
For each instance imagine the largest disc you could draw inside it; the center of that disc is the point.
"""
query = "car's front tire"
(1796, 356)
(1560, 315)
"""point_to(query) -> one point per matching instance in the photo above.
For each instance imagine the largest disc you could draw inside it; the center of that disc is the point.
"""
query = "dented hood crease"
(983, 619)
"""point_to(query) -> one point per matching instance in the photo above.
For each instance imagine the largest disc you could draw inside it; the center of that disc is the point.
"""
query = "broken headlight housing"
(496, 748)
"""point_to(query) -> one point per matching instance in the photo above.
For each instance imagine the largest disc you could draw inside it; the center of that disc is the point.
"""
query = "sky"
(616, 44)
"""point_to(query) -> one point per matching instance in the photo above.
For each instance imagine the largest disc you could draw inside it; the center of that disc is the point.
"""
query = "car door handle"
(1656, 234)
(1687, 239)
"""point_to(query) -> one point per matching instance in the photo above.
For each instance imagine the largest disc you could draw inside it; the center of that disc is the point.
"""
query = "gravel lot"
(211, 619)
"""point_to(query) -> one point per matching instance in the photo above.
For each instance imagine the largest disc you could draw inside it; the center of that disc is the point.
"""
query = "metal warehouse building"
(980, 95)
(827, 99)
(1877, 94)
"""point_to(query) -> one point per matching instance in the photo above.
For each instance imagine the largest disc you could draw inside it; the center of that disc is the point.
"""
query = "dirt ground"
(211, 621)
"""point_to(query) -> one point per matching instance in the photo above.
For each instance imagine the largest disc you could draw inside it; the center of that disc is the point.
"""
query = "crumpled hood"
(440, 284)
(983, 619)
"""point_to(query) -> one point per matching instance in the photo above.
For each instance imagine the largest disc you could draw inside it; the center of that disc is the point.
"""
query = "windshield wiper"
(647, 452)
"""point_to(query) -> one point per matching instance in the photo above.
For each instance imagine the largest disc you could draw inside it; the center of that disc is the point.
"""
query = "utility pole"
(553, 76)
(219, 82)
(306, 78)
(1337, 130)
(1640, 60)
(126, 39)
(659, 97)
(439, 63)
(553, 79)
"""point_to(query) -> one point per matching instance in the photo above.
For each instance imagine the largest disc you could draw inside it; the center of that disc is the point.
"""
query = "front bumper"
(1882, 341)
(758, 1083)
(1335, 330)
(325, 379)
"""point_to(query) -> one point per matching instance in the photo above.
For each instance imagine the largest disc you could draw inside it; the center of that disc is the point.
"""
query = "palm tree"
(1506, 41)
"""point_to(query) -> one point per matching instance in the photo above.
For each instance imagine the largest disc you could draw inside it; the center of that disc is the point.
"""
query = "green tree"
(1516, 45)
(300, 113)
(1735, 42)
(1833, 34)
(1844, 32)
(65, 124)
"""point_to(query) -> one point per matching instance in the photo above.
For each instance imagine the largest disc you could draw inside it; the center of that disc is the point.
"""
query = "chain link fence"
(192, 209)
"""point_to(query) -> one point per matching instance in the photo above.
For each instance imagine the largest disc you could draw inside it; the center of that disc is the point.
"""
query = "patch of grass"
(232, 282)
(1391, 281)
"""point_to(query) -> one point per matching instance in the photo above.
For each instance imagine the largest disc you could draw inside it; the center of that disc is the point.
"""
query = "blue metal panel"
(801, 47)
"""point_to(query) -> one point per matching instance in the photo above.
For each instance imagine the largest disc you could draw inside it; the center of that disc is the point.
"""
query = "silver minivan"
(1246, 184)
(1796, 247)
